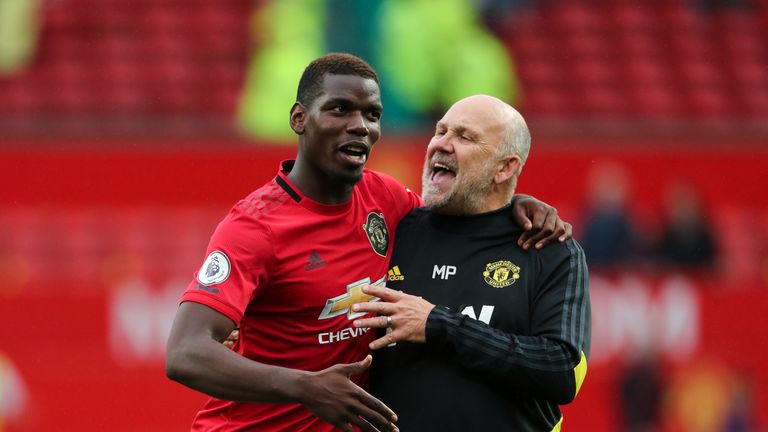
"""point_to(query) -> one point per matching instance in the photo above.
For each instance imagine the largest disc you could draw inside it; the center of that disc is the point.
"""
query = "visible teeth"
(354, 151)
(441, 166)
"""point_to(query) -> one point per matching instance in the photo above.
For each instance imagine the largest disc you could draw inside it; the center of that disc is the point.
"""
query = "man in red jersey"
(286, 265)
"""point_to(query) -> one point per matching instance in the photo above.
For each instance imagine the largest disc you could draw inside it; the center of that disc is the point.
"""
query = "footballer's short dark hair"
(310, 85)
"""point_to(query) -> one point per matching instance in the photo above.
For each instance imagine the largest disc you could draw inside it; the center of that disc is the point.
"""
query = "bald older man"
(485, 336)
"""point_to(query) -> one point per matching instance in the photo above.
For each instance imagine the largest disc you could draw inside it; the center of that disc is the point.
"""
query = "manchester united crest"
(501, 274)
(376, 230)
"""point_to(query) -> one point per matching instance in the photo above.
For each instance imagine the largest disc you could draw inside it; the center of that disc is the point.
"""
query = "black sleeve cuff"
(440, 323)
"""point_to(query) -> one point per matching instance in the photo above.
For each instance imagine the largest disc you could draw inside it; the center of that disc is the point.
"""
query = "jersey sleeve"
(551, 362)
(237, 262)
(403, 198)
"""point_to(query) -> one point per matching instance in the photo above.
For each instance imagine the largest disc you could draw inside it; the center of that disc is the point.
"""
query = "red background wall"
(86, 334)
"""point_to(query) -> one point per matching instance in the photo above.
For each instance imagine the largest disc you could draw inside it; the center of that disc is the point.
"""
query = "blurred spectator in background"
(609, 237)
(687, 239)
(641, 389)
(406, 41)
(741, 413)
(713, 5)
(709, 396)
(19, 23)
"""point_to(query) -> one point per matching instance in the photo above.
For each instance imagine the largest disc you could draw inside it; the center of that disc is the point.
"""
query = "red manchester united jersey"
(287, 270)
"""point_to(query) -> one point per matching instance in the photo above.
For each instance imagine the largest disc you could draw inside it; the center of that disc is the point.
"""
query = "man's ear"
(298, 116)
(510, 167)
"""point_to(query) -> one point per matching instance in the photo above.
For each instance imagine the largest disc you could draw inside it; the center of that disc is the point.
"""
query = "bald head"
(496, 114)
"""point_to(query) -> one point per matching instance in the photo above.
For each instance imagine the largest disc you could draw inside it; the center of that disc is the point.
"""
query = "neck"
(494, 199)
(317, 185)
(499, 196)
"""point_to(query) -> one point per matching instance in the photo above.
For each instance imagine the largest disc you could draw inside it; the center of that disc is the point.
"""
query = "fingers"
(541, 215)
(568, 232)
(520, 215)
(356, 368)
(553, 229)
(375, 322)
(231, 339)
(546, 234)
(369, 425)
(543, 226)
(381, 292)
(381, 308)
(375, 414)
(367, 412)
(384, 341)
(387, 415)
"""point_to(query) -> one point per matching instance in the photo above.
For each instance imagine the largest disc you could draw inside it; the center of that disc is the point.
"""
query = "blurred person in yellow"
(429, 54)
(432, 54)
(708, 396)
(19, 26)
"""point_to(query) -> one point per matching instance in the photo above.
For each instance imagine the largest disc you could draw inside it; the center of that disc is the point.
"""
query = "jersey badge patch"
(376, 230)
(214, 270)
(501, 274)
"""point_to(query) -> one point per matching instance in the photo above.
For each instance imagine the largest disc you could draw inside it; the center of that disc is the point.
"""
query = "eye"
(376, 115)
(439, 132)
(467, 138)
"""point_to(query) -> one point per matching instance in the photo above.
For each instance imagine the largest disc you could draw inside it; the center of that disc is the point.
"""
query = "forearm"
(541, 366)
(207, 366)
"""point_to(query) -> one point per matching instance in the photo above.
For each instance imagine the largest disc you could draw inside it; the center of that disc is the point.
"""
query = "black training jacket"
(509, 338)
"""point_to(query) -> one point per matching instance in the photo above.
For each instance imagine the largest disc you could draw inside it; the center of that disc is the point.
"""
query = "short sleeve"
(236, 265)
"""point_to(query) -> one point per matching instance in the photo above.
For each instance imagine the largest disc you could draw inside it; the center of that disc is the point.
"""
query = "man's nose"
(357, 125)
(443, 143)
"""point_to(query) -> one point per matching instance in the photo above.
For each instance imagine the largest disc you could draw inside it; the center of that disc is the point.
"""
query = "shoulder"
(262, 201)
(250, 219)
(416, 218)
(569, 251)
(376, 180)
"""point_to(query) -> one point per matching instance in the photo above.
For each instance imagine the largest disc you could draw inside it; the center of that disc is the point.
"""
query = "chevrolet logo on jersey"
(342, 304)
(394, 274)
(501, 274)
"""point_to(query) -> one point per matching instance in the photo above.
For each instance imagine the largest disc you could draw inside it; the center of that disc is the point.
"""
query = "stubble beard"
(466, 197)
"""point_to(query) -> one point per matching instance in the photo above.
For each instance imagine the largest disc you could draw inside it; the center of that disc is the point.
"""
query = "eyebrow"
(340, 100)
(460, 129)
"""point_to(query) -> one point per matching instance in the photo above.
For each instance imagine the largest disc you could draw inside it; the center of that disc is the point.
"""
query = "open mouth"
(355, 153)
(442, 173)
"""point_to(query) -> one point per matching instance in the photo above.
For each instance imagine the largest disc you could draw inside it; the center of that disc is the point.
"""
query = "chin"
(435, 200)
(350, 178)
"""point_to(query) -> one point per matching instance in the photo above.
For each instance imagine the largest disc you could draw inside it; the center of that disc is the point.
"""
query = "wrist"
(291, 384)
(434, 328)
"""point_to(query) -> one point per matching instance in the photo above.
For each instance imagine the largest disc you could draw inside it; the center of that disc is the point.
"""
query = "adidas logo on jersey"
(314, 262)
(394, 274)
